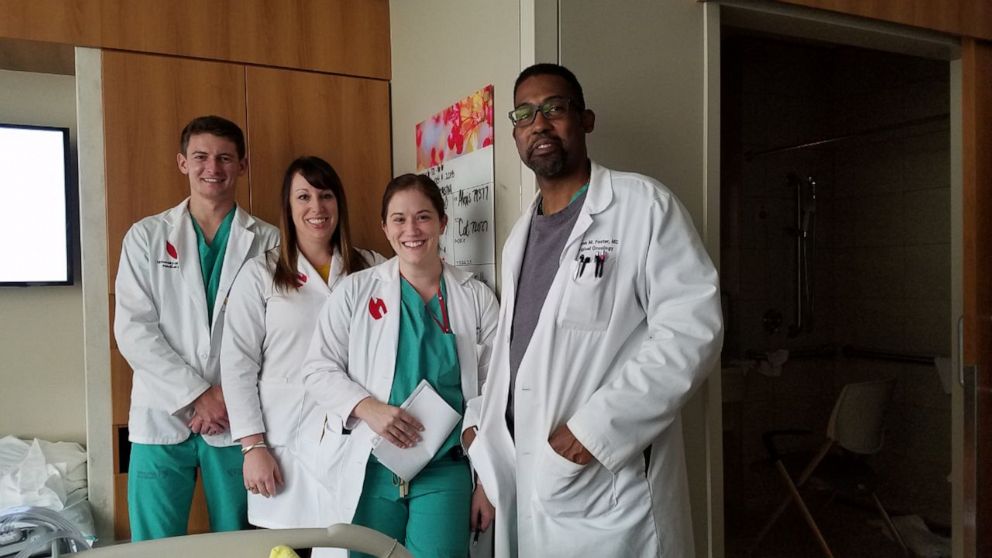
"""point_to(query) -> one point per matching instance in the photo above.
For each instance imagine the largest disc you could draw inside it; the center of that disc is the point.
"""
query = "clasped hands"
(209, 413)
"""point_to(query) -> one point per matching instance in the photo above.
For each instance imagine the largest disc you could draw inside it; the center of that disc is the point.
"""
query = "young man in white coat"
(610, 319)
(175, 271)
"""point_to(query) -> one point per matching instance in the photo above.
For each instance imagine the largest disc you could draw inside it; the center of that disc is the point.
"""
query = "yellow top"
(324, 271)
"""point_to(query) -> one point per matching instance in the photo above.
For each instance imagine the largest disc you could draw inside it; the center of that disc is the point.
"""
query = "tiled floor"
(850, 530)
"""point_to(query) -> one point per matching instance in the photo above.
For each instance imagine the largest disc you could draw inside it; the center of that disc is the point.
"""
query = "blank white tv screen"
(34, 239)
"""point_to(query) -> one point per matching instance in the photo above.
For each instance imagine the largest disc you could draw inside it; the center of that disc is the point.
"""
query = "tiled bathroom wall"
(881, 267)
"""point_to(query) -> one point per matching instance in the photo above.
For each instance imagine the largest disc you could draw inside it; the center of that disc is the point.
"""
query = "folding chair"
(855, 431)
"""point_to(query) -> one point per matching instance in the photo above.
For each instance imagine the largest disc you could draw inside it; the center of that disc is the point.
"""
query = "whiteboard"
(469, 240)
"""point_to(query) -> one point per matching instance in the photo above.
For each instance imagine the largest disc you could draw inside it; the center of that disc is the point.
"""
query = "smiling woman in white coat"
(271, 313)
(383, 331)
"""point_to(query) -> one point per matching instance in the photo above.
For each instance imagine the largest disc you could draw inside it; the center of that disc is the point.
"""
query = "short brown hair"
(215, 126)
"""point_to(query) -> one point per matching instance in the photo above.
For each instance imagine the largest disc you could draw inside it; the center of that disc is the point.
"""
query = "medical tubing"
(48, 539)
(60, 527)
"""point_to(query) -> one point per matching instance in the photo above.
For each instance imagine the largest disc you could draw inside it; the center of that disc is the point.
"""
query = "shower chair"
(855, 431)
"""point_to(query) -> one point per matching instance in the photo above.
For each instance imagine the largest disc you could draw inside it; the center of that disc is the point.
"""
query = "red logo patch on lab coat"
(171, 250)
(301, 278)
(377, 308)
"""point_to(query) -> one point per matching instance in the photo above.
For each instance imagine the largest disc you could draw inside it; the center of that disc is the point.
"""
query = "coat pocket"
(567, 489)
(589, 295)
(282, 411)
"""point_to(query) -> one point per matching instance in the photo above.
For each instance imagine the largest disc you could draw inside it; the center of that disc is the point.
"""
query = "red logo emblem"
(171, 250)
(377, 308)
(302, 278)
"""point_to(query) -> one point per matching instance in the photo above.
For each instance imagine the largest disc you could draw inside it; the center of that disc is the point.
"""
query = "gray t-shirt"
(545, 240)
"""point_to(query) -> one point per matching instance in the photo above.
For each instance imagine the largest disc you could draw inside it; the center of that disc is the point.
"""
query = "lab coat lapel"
(599, 195)
(313, 279)
(388, 290)
(513, 257)
(238, 245)
(460, 305)
(309, 276)
(183, 238)
(337, 270)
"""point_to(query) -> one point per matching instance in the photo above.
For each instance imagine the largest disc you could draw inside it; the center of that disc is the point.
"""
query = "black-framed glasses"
(552, 109)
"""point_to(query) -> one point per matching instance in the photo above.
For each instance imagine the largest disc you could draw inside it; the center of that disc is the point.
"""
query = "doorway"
(836, 269)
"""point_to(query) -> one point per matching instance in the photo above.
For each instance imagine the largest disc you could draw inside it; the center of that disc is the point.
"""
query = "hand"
(468, 437)
(210, 412)
(261, 472)
(198, 425)
(566, 445)
(392, 423)
(483, 511)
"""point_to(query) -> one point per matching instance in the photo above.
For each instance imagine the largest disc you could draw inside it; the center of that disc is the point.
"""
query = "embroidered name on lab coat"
(173, 254)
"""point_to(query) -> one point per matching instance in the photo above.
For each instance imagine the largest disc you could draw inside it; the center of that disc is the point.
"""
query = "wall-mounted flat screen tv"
(35, 246)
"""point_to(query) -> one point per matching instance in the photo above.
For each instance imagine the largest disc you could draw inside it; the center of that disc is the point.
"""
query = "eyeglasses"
(552, 109)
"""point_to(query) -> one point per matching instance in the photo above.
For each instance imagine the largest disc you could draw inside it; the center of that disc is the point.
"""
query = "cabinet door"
(147, 100)
(344, 120)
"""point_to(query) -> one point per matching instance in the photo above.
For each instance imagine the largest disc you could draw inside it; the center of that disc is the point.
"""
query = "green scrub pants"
(160, 484)
(432, 520)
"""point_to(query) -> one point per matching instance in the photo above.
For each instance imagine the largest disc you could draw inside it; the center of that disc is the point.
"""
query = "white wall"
(41, 328)
(644, 71)
(441, 52)
(645, 80)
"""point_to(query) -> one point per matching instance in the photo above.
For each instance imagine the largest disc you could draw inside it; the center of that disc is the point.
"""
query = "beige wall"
(441, 54)
(41, 328)
(666, 140)
(643, 71)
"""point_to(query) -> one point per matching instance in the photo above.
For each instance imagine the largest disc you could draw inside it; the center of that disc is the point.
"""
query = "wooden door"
(147, 101)
(976, 62)
(344, 120)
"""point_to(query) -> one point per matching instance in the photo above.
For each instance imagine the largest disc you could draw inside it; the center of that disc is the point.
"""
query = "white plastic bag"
(48, 475)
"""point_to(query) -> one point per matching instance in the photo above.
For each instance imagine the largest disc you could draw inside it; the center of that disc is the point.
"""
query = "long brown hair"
(321, 175)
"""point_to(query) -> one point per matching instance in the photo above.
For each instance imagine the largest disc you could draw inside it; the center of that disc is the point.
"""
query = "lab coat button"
(204, 355)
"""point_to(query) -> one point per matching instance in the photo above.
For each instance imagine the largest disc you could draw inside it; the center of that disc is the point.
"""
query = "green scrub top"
(575, 196)
(425, 352)
(212, 258)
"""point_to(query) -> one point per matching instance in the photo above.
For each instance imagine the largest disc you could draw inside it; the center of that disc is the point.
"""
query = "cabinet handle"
(961, 350)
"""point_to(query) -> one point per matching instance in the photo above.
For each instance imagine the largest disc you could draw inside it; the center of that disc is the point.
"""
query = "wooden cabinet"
(968, 18)
(344, 120)
(147, 100)
(341, 36)
(284, 113)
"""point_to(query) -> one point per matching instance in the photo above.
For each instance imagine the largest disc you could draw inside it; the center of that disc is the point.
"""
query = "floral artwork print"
(462, 128)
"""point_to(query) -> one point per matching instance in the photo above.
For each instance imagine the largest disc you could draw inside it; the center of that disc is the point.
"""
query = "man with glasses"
(611, 318)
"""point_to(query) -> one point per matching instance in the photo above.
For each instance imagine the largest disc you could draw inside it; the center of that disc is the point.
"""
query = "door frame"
(806, 23)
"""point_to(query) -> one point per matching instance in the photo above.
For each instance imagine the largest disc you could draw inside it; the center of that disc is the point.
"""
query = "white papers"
(438, 419)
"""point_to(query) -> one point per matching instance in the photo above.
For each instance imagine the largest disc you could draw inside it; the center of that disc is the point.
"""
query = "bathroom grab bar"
(881, 354)
(847, 351)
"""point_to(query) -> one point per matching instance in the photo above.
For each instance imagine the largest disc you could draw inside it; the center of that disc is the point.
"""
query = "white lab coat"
(265, 341)
(615, 357)
(353, 356)
(161, 318)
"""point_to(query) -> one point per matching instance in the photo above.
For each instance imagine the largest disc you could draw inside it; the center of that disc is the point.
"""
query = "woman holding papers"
(271, 311)
(382, 333)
